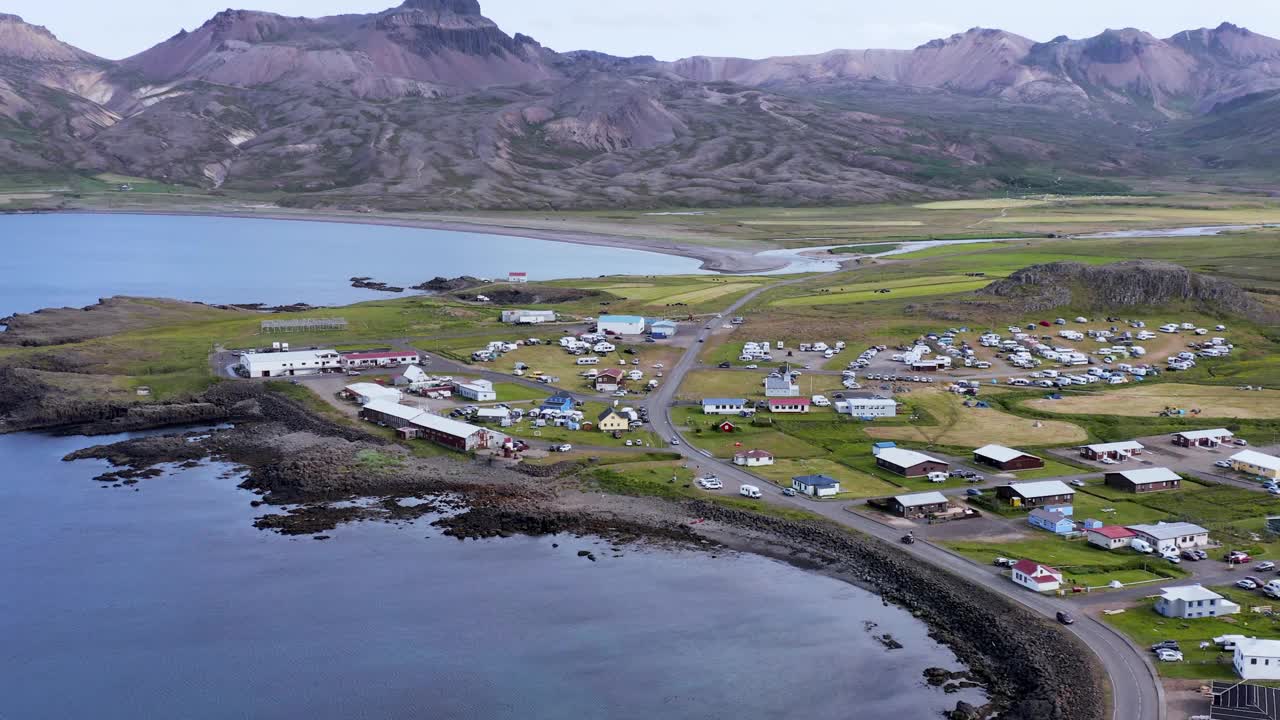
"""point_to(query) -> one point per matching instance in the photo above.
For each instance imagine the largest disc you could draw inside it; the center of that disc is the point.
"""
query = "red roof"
(378, 355)
(517, 274)
(789, 401)
(614, 373)
(1114, 532)
(756, 454)
(1035, 571)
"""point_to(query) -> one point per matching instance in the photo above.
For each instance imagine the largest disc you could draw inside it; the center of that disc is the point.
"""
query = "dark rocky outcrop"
(443, 284)
(534, 295)
(1133, 283)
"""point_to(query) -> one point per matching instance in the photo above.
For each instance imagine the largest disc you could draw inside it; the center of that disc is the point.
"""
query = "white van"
(1272, 589)
(1169, 328)
(588, 361)
(750, 491)
(821, 401)
(1141, 546)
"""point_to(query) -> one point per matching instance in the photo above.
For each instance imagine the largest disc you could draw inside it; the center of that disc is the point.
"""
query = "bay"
(166, 602)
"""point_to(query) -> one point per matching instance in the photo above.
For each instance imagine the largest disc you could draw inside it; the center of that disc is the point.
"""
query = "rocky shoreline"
(305, 469)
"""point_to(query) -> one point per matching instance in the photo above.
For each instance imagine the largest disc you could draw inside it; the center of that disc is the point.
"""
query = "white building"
(723, 406)
(288, 364)
(868, 407)
(365, 393)
(621, 324)
(478, 390)
(1257, 659)
(780, 386)
(528, 317)
(1034, 576)
(413, 377)
(1172, 537)
(1256, 463)
(753, 458)
(1193, 601)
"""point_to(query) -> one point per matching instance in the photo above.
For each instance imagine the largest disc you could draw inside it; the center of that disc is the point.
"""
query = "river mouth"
(161, 599)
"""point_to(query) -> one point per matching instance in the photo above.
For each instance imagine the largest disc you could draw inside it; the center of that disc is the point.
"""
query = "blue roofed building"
(662, 329)
(1054, 522)
(561, 402)
(816, 485)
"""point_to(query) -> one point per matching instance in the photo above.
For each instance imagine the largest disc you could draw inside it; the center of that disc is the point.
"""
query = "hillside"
(432, 105)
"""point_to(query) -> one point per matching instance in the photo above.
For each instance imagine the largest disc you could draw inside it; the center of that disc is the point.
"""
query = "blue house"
(561, 402)
(1054, 522)
(816, 485)
(875, 449)
(1067, 510)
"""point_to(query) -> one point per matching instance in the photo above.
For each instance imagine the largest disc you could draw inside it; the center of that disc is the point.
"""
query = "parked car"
(1265, 565)
(1078, 483)
(725, 365)
(789, 492)
(1190, 555)
(1201, 555)
(1005, 562)
(564, 448)
(1237, 557)
(1246, 584)
(675, 441)
(1166, 645)
(1255, 580)
(1223, 464)
(973, 492)
(1169, 656)
(1065, 618)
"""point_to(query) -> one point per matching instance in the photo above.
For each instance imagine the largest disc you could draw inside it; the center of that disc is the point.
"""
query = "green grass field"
(853, 484)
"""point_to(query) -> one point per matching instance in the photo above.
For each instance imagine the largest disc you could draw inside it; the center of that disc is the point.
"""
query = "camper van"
(1141, 546)
(937, 477)
(750, 491)
(1170, 328)
(588, 361)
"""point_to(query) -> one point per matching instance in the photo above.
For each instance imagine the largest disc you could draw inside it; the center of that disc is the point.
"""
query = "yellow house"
(1256, 463)
(611, 421)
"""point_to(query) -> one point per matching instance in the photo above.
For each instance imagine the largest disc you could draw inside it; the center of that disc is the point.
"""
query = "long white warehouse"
(287, 364)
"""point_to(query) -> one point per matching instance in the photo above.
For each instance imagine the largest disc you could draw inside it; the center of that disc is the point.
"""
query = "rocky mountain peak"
(20, 40)
(457, 7)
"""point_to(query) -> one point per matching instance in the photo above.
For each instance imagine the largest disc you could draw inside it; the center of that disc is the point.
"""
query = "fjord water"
(167, 603)
(65, 260)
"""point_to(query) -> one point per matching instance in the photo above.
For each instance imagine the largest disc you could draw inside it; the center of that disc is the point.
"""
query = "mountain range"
(432, 105)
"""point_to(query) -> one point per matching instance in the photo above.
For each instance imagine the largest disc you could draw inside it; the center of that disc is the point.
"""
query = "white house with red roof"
(1110, 537)
(517, 277)
(1034, 576)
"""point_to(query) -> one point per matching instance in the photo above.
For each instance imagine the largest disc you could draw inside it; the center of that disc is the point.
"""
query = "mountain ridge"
(431, 104)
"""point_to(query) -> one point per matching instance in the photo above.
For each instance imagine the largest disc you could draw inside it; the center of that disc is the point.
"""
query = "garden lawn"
(853, 484)
(958, 426)
(1123, 512)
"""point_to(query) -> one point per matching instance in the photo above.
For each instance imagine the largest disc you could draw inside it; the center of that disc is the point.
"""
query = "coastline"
(305, 467)
(713, 259)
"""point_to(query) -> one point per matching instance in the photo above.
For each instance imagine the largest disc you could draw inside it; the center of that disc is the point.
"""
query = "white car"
(1167, 655)
(1222, 464)
(752, 367)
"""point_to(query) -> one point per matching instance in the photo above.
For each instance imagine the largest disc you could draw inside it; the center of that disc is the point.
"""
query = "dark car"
(1166, 645)
(1065, 618)
(1190, 555)
(725, 365)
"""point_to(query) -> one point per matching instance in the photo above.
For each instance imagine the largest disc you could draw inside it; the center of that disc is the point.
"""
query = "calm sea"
(73, 260)
(166, 603)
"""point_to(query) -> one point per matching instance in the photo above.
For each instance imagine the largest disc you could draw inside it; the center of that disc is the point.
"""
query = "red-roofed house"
(1033, 575)
(1110, 537)
(517, 277)
(610, 380)
(379, 359)
(789, 405)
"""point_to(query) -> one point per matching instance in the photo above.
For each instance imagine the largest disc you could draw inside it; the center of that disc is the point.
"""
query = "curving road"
(1137, 693)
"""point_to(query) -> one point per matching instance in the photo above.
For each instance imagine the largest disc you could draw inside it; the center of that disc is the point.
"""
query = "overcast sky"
(671, 29)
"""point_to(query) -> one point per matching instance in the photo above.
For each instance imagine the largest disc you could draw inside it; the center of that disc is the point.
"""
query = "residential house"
(723, 406)
(816, 485)
(620, 324)
(780, 385)
(1193, 601)
(1006, 459)
(477, 390)
(1110, 537)
(753, 458)
(1051, 520)
(789, 405)
(365, 393)
(1036, 494)
(1256, 463)
(1143, 481)
(1257, 659)
(726, 427)
(1203, 438)
(517, 277)
(919, 505)
(1172, 537)
(612, 421)
(867, 407)
(1112, 451)
(610, 381)
(909, 463)
(1033, 575)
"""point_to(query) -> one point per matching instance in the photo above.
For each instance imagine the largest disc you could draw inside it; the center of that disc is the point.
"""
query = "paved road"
(1136, 690)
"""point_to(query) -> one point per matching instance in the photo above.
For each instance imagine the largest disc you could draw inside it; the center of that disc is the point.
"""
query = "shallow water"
(73, 260)
(165, 603)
